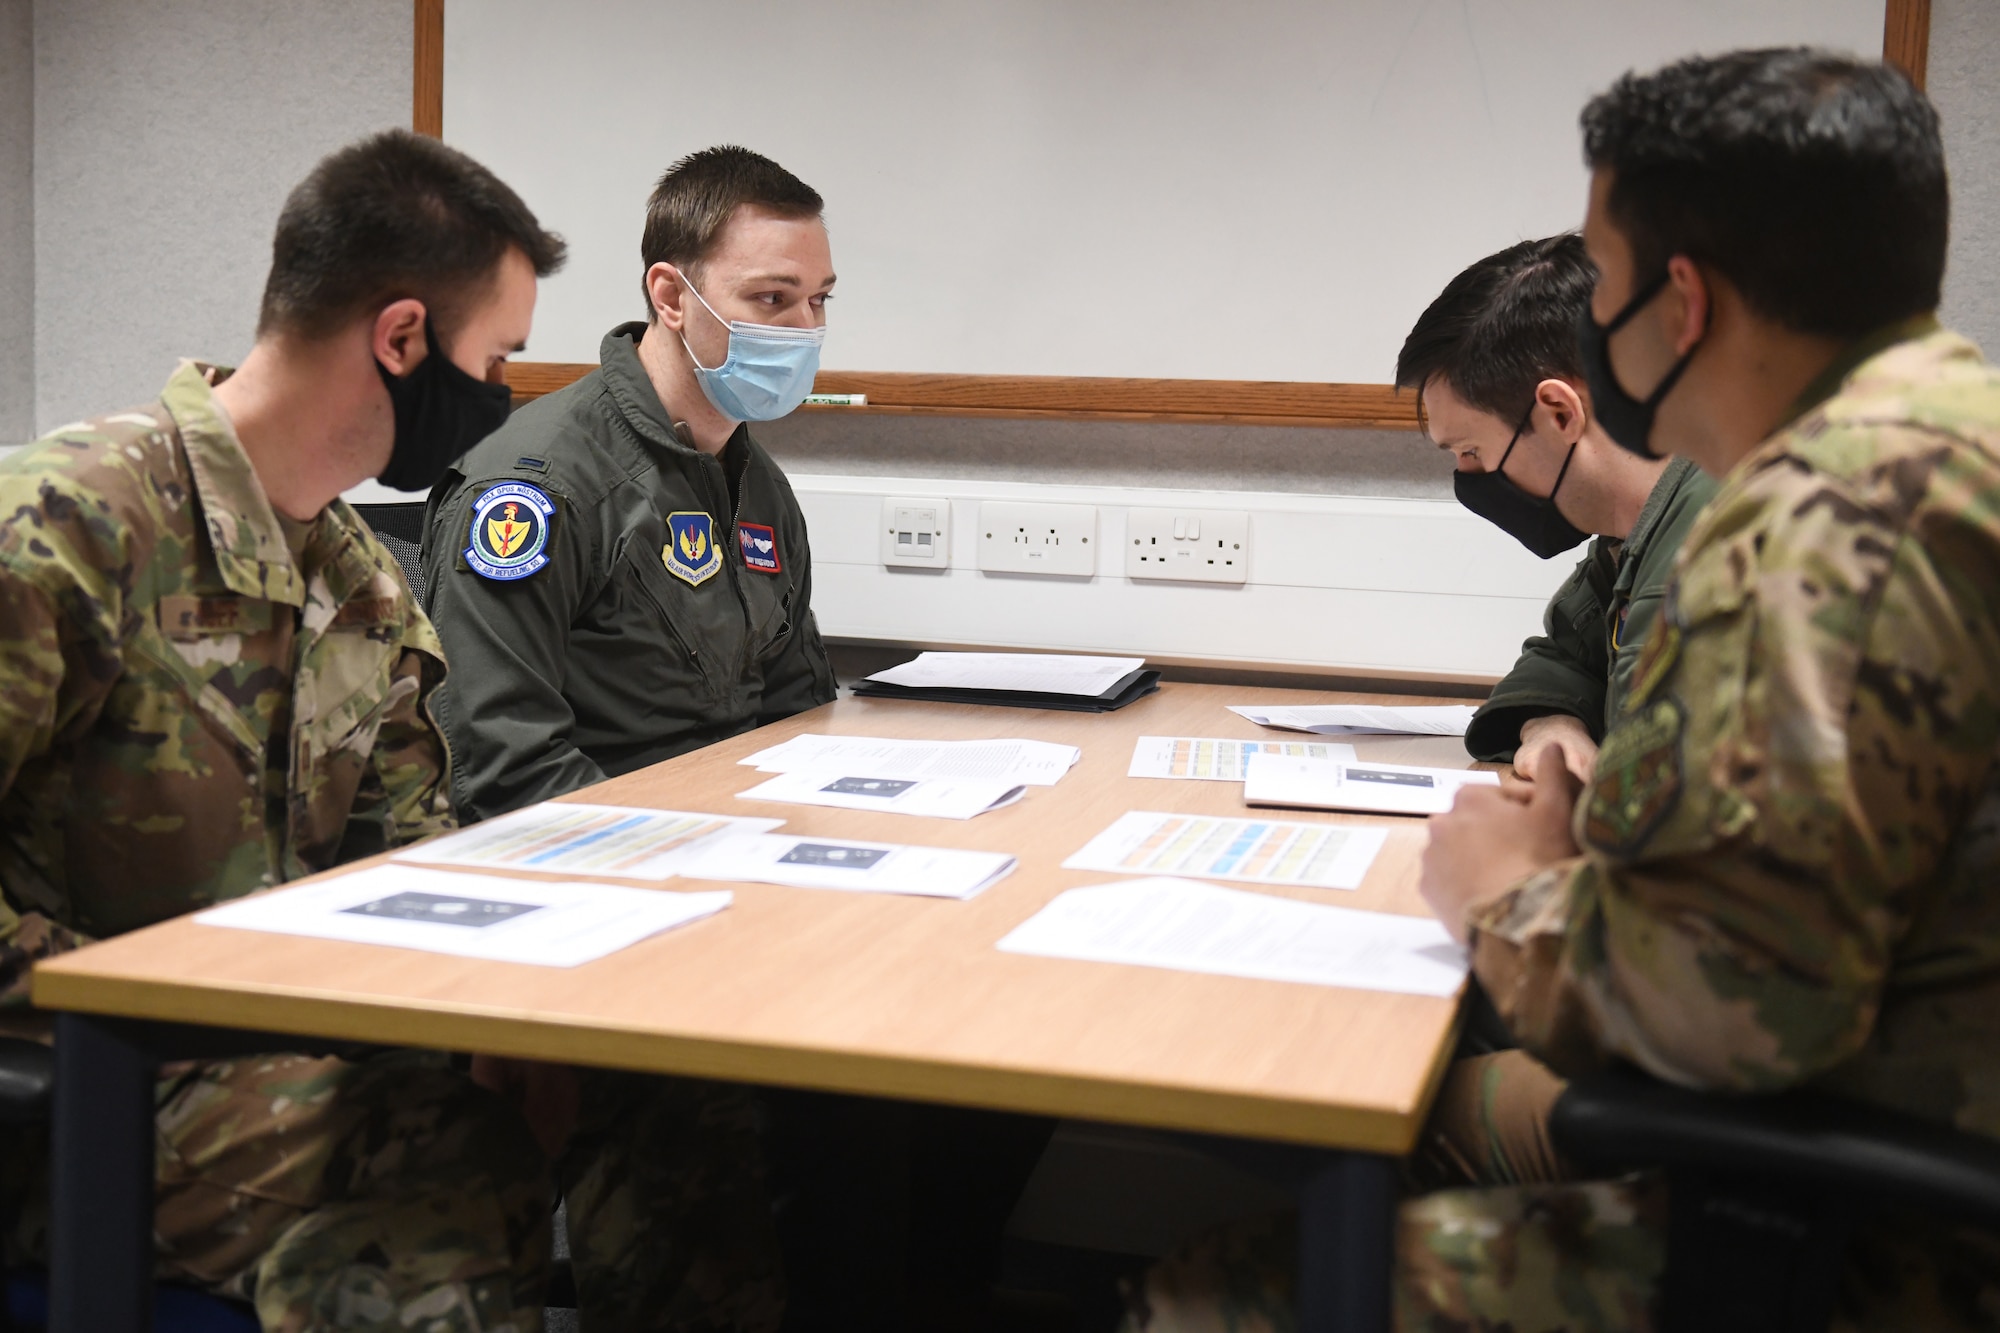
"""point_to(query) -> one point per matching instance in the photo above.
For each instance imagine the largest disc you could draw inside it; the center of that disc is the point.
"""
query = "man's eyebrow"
(782, 279)
(520, 346)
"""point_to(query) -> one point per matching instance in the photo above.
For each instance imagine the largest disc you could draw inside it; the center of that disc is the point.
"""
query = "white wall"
(1258, 190)
(1964, 81)
(167, 134)
(17, 221)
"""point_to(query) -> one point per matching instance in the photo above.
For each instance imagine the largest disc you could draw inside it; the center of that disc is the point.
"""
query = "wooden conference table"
(885, 996)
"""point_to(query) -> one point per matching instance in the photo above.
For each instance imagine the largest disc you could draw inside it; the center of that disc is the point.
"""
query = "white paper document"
(837, 863)
(940, 799)
(1190, 927)
(1362, 719)
(1324, 784)
(1259, 851)
(563, 837)
(1047, 673)
(1037, 763)
(1217, 760)
(548, 923)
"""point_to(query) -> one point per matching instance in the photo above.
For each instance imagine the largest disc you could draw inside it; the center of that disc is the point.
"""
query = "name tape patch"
(510, 531)
(760, 547)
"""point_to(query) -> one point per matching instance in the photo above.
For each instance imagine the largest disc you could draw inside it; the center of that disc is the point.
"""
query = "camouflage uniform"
(1791, 841)
(196, 702)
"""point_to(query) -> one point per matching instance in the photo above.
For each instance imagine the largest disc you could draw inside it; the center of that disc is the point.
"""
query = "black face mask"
(440, 413)
(1532, 520)
(1625, 419)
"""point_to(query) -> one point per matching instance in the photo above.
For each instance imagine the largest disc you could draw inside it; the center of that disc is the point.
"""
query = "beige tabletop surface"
(876, 994)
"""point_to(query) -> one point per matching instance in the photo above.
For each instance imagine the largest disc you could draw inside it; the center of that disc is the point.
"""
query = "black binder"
(1134, 685)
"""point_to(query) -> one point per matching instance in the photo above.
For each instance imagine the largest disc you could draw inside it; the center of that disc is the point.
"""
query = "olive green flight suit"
(1581, 663)
(658, 622)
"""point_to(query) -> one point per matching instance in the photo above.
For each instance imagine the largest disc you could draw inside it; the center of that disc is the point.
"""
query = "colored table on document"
(882, 996)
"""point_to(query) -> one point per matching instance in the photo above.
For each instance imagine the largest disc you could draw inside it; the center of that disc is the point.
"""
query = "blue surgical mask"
(768, 372)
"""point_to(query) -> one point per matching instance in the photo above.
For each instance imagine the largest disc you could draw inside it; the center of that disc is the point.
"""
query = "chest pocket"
(676, 636)
(233, 657)
(769, 602)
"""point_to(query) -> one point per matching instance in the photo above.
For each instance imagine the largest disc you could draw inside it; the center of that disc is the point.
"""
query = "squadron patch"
(510, 531)
(760, 547)
(1638, 780)
(690, 553)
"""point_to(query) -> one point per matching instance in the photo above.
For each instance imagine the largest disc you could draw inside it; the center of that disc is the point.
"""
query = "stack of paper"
(836, 863)
(1217, 760)
(1019, 680)
(941, 799)
(1036, 763)
(1362, 719)
(552, 924)
(1260, 851)
(1322, 784)
(1173, 923)
(565, 837)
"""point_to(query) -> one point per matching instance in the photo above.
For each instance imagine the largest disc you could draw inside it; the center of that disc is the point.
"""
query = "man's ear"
(1689, 303)
(397, 338)
(667, 291)
(1561, 405)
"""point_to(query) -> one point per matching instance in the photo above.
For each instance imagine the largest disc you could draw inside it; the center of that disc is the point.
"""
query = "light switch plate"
(916, 532)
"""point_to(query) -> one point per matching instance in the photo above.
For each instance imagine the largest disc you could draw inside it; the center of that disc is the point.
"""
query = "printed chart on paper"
(1258, 851)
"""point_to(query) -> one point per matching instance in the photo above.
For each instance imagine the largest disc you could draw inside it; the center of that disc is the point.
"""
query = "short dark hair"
(395, 215)
(1503, 326)
(1814, 182)
(696, 197)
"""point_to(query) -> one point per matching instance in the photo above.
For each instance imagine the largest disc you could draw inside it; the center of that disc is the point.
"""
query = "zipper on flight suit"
(733, 553)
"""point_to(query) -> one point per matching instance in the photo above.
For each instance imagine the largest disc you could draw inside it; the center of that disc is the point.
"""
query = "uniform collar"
(250, 549)
(1658, 501)
(1827, 383)
(638, 401)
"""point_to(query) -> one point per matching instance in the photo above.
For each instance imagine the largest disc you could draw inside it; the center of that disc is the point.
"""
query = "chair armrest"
(27, 1081)
(1624, 1121)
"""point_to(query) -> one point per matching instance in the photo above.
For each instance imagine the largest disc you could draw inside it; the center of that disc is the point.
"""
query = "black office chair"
(27, 1087)
(1766, 1190)
(400, 528)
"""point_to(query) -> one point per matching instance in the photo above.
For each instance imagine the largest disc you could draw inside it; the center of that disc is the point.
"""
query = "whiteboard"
(1204, 189)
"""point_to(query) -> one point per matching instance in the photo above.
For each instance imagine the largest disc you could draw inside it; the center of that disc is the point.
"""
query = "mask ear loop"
(688, 283)
(1624, 317)
(1500, 468)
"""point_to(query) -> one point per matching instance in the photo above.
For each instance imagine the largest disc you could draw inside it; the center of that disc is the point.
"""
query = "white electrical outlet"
(1037, 539)
(1197, 545)
(916, 533)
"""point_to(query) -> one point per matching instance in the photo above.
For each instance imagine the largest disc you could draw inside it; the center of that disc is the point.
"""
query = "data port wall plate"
(1037, 538)
(1189, 545)
(916, 532)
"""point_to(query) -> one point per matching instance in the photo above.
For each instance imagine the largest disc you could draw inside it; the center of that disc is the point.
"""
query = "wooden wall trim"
(427, 82)
(1906, 37)
(1075, 398)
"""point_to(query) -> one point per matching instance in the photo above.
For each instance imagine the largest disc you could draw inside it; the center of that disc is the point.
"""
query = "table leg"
(1347, 1227)
(101, 1233)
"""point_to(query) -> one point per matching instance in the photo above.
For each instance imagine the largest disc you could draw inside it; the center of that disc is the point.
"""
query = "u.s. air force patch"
(510, 531)
(690, 554)
(1638, 780)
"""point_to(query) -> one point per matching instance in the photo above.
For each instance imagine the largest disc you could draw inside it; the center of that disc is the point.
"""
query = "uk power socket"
(1196, 545)
(1037, 539)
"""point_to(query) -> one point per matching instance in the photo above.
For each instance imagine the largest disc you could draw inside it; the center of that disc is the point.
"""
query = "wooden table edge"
(59, 986)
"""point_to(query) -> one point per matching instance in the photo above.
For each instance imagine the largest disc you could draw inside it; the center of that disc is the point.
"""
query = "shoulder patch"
(690, 553)
(510, 531)
(1638, 780)
(759, 544)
